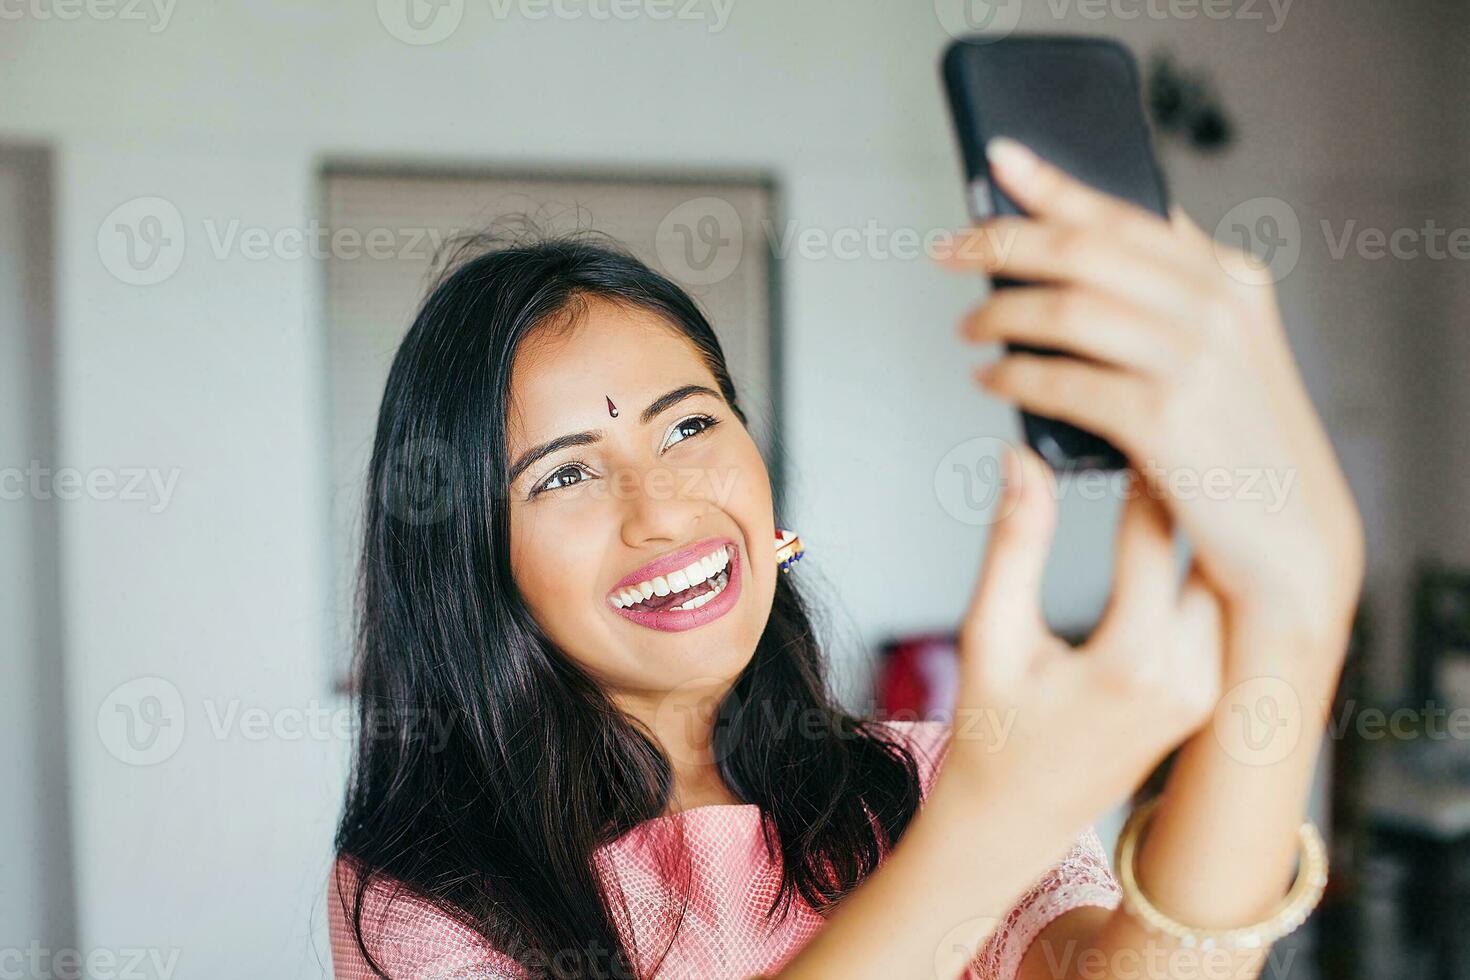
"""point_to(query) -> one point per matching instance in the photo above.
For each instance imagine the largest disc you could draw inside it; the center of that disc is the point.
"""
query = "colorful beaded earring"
(788, 549)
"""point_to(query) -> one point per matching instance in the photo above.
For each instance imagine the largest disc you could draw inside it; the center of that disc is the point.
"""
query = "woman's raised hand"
(1045, 739)
(1080, 726)
(1183, 363)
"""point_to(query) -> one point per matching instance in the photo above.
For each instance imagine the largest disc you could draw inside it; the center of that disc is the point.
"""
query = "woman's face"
(592, 522)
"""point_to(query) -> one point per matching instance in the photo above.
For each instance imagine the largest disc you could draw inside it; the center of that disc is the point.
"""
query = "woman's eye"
(574, 469)
(693, 426)
(574, 473)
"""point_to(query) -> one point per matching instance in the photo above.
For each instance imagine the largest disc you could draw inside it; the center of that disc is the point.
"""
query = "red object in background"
(918, 677)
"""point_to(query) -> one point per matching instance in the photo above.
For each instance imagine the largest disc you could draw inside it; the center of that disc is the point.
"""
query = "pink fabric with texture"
(732, 881)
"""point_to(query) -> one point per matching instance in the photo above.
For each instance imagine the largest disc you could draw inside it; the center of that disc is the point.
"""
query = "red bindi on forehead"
(611, 408)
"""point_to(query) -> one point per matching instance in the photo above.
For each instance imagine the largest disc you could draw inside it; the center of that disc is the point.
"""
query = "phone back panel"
(1075, 101)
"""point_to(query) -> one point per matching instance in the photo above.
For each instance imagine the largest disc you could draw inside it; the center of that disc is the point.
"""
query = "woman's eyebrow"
(655, 408)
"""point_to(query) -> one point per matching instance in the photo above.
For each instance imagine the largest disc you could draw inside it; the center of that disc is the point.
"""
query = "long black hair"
(489, 768)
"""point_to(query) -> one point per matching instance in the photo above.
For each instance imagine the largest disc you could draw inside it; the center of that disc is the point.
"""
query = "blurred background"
(215, 224)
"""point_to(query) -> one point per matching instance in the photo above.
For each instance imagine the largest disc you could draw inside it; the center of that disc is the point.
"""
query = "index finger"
(1044, 190)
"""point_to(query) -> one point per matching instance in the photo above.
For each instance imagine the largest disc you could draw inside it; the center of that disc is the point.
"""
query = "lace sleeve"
(1082, 877)
(408, 938)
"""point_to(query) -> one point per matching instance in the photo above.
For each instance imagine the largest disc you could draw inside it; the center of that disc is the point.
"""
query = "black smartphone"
(1077, 101)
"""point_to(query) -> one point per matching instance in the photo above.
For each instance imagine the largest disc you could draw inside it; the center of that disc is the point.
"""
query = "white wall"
(218, 850)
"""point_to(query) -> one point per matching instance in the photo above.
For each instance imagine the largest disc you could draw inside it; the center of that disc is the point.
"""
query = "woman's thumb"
(1005, 612)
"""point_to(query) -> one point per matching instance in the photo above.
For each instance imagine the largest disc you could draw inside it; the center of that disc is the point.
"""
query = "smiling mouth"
(691, 598)
(687, 598)
(685, 589)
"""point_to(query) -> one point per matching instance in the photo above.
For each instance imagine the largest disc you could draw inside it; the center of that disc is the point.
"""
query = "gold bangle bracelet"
(1301, 899)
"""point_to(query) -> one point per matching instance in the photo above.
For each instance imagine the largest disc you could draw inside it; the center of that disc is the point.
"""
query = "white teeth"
(700, 600)
(685, 578)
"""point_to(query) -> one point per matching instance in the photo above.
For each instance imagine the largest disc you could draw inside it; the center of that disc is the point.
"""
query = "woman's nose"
(656, 504)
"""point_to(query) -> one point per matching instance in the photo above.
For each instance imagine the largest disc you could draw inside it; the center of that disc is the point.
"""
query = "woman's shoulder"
(1082, 876)
(926, 739)
(406, 935)
(929, 734)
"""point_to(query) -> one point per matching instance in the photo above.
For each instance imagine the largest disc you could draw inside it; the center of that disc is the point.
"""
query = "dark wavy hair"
(489, 767)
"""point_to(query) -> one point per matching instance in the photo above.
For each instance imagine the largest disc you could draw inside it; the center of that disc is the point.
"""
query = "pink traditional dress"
(732, 881)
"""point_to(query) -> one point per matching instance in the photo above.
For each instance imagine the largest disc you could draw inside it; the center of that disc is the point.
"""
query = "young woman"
(596, 739)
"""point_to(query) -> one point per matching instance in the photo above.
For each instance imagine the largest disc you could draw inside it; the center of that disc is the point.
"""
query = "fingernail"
(1009, 156)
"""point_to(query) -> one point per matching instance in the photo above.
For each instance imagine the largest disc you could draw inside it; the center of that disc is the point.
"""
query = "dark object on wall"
(1184, 106)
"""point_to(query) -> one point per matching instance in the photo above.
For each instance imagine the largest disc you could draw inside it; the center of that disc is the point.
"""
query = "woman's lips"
(678, 620)
(673, 562)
